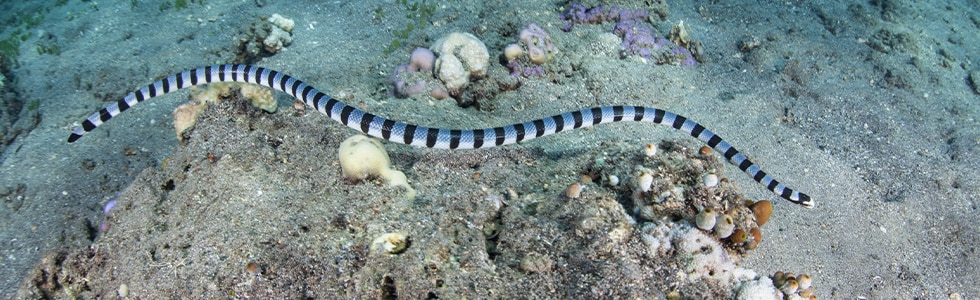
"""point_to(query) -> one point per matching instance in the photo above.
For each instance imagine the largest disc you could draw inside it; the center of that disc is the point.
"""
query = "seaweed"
(418, 13)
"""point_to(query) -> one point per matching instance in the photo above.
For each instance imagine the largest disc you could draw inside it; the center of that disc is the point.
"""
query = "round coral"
(422, 60)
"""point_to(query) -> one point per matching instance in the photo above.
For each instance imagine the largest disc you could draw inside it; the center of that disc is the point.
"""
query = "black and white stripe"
(405, 133)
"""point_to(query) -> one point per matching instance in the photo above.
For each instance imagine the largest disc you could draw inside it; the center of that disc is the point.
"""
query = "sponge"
(362, 157)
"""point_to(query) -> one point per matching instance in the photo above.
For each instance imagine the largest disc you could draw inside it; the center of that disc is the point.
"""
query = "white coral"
(461, 56)
(277, 39)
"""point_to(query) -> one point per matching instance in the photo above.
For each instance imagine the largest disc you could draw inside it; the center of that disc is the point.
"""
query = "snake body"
(405, 133)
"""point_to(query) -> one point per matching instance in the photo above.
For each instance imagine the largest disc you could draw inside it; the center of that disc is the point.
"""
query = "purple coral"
(637, 39)
(633, 27)
(415, 77)
(685, 56)
(579, 14)
(517, 70)
(421, 60)
(538, 43)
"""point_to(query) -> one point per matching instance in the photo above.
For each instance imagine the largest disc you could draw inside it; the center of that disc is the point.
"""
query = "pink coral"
(421, 60)
(538, 43)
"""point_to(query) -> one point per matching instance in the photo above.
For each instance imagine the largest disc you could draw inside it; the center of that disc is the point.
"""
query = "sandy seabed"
(869, 107)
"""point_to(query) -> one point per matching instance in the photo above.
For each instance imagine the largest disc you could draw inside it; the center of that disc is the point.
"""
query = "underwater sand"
(869, 107)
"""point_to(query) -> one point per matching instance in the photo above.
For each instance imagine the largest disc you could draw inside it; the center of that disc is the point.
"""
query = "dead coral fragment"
(260, 96)
(185, 116)
(264, 38)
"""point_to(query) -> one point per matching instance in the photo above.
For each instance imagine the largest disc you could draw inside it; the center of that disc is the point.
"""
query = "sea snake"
(400, 132)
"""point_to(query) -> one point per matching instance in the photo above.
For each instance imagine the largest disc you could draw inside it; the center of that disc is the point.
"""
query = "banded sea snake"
(400, 132)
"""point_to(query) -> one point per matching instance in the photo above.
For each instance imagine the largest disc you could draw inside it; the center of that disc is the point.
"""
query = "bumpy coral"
(264, 38)
(461, 59)
(415, 77)
(362, 157)
(579, 14)
(633, 26)
(462, 56)
(533, 50)
(538, 43)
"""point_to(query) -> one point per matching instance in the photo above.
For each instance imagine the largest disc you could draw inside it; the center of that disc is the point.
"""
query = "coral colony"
(634, 28)
(533, 50)
(444, 69)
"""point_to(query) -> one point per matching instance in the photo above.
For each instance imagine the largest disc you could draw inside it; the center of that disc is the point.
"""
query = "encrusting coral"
(185, 115)
(638, 39)
(533, 50)
(260, 96)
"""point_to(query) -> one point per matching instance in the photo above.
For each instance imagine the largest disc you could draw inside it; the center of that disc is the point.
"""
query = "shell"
(738, 236)
(762, 211)
(644, 182)
(804, 281)
(710, 179)
(724, 225)
(613, 180)
(705, 150)
(706, 219)
(650, 150)
(756, 234)
(789, 287)
(390, 243)
(574, 190)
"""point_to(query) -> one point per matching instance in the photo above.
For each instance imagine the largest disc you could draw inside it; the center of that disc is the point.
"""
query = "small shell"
(738, 236)
(804, 281)
(789, 287)
(644, 182)
(807, 293)
(705, 150)
(762, 210)
(706, 219)
(252, 267)
(123, 290)
(613, 180)
(390, 243)
(650, 150)
(574, 190)
(710, 179)
(724, 225)
(778, 278)
(756, 234)
(512, 194)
